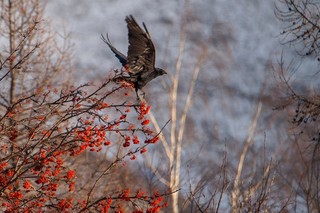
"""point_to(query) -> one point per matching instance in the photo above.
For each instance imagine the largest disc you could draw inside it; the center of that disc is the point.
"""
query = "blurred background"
(235, 143)
(242, 41)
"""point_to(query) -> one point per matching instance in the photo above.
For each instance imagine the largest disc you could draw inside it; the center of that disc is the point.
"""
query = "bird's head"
(161, 71)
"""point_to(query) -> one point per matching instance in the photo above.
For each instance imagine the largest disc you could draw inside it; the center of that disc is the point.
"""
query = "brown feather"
(141, 56)
(141, 51)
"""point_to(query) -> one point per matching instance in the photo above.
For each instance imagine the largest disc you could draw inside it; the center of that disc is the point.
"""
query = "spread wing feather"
(141, 51)
(122, 58)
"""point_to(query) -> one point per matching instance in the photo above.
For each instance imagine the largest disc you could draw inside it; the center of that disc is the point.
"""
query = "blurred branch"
(235, 195)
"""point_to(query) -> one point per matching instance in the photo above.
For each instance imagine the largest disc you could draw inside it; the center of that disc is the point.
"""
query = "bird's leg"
(143, 94)
(138, 98)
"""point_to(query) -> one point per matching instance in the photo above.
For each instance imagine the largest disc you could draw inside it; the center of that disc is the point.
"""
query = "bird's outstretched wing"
(141, 51)
(122, 58)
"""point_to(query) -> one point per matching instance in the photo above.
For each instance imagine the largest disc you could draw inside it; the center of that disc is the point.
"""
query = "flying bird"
(140, 60)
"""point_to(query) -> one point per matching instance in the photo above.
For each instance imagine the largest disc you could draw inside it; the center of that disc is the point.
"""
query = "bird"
(140, 59)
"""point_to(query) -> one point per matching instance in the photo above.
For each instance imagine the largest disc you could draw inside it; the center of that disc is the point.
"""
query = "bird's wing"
(141, 51)
(122, 58)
